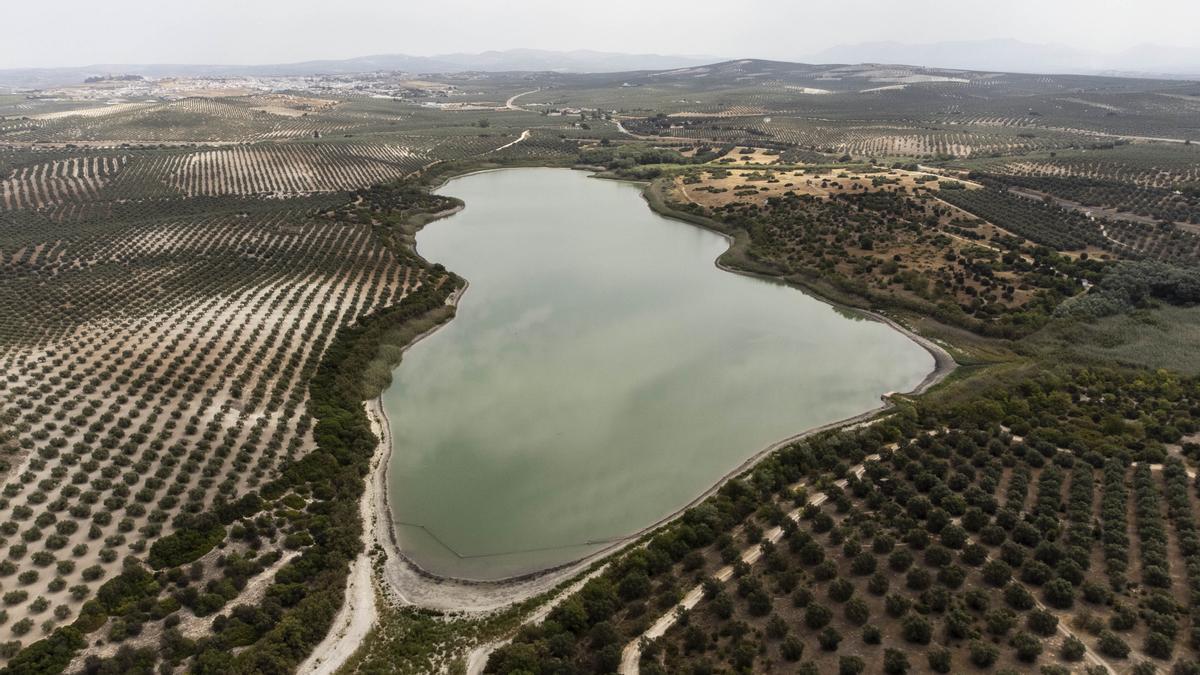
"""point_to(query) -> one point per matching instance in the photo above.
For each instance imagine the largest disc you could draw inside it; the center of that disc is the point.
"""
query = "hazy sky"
(82, 32)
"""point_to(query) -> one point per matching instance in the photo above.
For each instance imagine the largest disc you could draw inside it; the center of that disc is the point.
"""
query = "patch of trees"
(48, 656)
(627, 156)
(1136, 285)
(194, 536)
(820, 242)
(633, 160)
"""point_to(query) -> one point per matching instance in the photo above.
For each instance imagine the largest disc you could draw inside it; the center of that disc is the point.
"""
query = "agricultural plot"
(1139, 204)
(98, 111)
(154, 369)
(952, 539)
(1154, 112)
(1140, 182)
(58, 181)
(1158, 166)
(912, 139)
(318, 146)
(291, 169)
(78, 180)
(188, 120)
(838, 573)
(1067, 229)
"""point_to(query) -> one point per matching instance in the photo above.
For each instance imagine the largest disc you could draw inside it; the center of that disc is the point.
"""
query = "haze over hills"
(1021, 57)
(576, 61)
(988, 55)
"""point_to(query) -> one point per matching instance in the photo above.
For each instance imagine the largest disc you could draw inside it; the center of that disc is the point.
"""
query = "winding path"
(524, 137)
(1096, 211)
(511, 103)
(351, 625)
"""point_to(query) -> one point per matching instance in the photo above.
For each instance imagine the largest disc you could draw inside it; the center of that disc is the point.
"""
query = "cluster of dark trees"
(1137, 285)
(631, 160)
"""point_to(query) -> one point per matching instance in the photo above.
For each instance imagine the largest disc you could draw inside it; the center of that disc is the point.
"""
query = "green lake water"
(601, 372)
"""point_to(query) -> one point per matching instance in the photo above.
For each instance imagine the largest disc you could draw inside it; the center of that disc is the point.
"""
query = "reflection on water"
(601, 373)
(850, 313)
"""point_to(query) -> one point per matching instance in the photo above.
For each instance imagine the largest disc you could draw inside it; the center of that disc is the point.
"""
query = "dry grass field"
(716, 189)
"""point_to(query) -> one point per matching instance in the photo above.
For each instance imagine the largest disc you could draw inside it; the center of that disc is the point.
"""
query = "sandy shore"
(402, 581)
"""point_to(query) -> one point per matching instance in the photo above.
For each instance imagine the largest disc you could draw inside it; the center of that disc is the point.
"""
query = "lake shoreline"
(402, 581)
(944, 363)
(409, 583)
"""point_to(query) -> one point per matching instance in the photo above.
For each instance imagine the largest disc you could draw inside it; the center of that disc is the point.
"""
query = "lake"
(601, 373)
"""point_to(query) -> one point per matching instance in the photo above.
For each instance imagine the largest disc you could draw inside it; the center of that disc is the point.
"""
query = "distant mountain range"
(988, 55)
(579, 61)
(1015, 56)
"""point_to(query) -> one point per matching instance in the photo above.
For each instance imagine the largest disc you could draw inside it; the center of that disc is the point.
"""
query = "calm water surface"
(601, 373)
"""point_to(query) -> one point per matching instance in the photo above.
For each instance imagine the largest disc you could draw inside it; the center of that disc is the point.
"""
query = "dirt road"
(524, 137)
(1096, 211)
(511, 103)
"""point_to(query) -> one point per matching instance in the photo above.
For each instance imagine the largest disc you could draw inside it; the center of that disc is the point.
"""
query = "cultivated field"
(160, 372)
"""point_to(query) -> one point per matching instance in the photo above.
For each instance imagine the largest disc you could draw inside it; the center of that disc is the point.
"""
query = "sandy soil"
(756, 156)
(823, 184)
